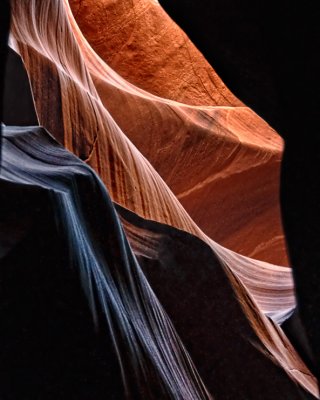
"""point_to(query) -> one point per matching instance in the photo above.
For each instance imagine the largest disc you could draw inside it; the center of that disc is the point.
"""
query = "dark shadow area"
(267, 54)
(295, 331)
(18, 105)
(194, 289)
(49, 346)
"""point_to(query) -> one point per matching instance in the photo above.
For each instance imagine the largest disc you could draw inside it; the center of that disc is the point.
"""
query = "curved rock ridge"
(198, 151)
(146, 351)
(68, 81)
(194, 165)
(134, 338)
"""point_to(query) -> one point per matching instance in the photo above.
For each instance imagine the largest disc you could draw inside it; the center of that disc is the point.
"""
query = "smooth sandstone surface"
(199, 152)
(68, 104)
(207, 156)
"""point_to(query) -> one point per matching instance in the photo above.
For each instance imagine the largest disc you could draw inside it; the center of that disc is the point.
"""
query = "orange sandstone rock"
(139, 41)
(222, 163)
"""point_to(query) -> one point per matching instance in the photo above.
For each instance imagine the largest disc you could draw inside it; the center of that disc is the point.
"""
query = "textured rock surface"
(77, 95)
(139, 41)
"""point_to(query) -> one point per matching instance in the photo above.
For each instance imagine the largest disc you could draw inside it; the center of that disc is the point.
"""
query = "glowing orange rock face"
(208, 156)
(139, 41)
